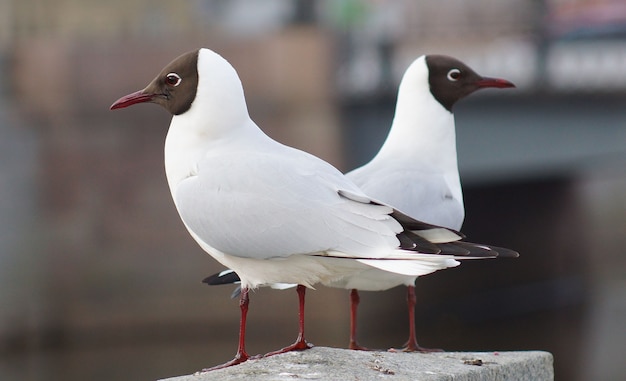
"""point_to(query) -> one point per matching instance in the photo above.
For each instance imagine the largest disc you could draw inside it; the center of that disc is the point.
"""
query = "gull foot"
(239, 358)
(300, 345)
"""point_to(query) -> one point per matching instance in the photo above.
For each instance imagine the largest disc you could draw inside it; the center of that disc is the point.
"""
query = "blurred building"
(96, 268)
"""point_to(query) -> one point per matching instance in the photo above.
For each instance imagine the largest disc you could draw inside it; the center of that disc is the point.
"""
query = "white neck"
(217, 116)
(422, 130)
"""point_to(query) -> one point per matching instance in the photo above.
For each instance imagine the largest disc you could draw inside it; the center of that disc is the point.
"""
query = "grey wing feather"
(279, 208)
(424, 196)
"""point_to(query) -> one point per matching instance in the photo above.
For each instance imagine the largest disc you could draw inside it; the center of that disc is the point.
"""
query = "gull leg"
(354, 305)
(241, 355)
(411, 345)
(301, 343)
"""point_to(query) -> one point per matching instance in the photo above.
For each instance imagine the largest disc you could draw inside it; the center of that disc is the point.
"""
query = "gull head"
(447, 79)
(174, 88)
(200, 79)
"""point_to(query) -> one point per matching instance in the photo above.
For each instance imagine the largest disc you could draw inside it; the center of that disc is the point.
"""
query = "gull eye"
(454, 75)
(173, 79)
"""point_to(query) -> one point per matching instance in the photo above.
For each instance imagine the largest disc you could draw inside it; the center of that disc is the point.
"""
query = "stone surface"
(322, 363)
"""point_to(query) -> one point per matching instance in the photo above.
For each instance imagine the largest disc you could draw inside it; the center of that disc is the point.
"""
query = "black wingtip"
(487, 250)
(504, 252)
(223, 277)
(410, 223)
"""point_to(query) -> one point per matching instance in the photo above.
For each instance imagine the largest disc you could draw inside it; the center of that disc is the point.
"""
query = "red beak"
(494, 82)
(131, 99)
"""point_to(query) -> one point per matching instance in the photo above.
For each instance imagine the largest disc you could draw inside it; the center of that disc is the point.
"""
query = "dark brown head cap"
(174, 88)
(451, 80)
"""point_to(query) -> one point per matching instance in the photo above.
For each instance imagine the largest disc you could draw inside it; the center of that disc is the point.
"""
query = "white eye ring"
(454, 75)
(173, 79)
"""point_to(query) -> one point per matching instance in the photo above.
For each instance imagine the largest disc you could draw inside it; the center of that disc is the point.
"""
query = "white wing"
(279, 203)
(422, 195)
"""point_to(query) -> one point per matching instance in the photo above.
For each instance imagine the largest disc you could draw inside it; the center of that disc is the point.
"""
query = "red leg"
(241, 355)
(354, 305)
(301, 343)
(411, 345)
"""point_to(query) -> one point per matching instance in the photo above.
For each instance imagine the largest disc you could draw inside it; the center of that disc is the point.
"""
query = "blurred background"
(99, 279)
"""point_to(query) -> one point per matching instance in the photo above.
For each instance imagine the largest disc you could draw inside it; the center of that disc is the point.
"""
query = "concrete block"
(322, 363)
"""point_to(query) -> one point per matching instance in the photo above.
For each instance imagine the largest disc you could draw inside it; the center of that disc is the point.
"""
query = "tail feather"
(412, 267)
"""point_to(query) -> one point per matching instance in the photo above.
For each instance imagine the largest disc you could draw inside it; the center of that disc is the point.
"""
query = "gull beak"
(494, 82)
(137, 97)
